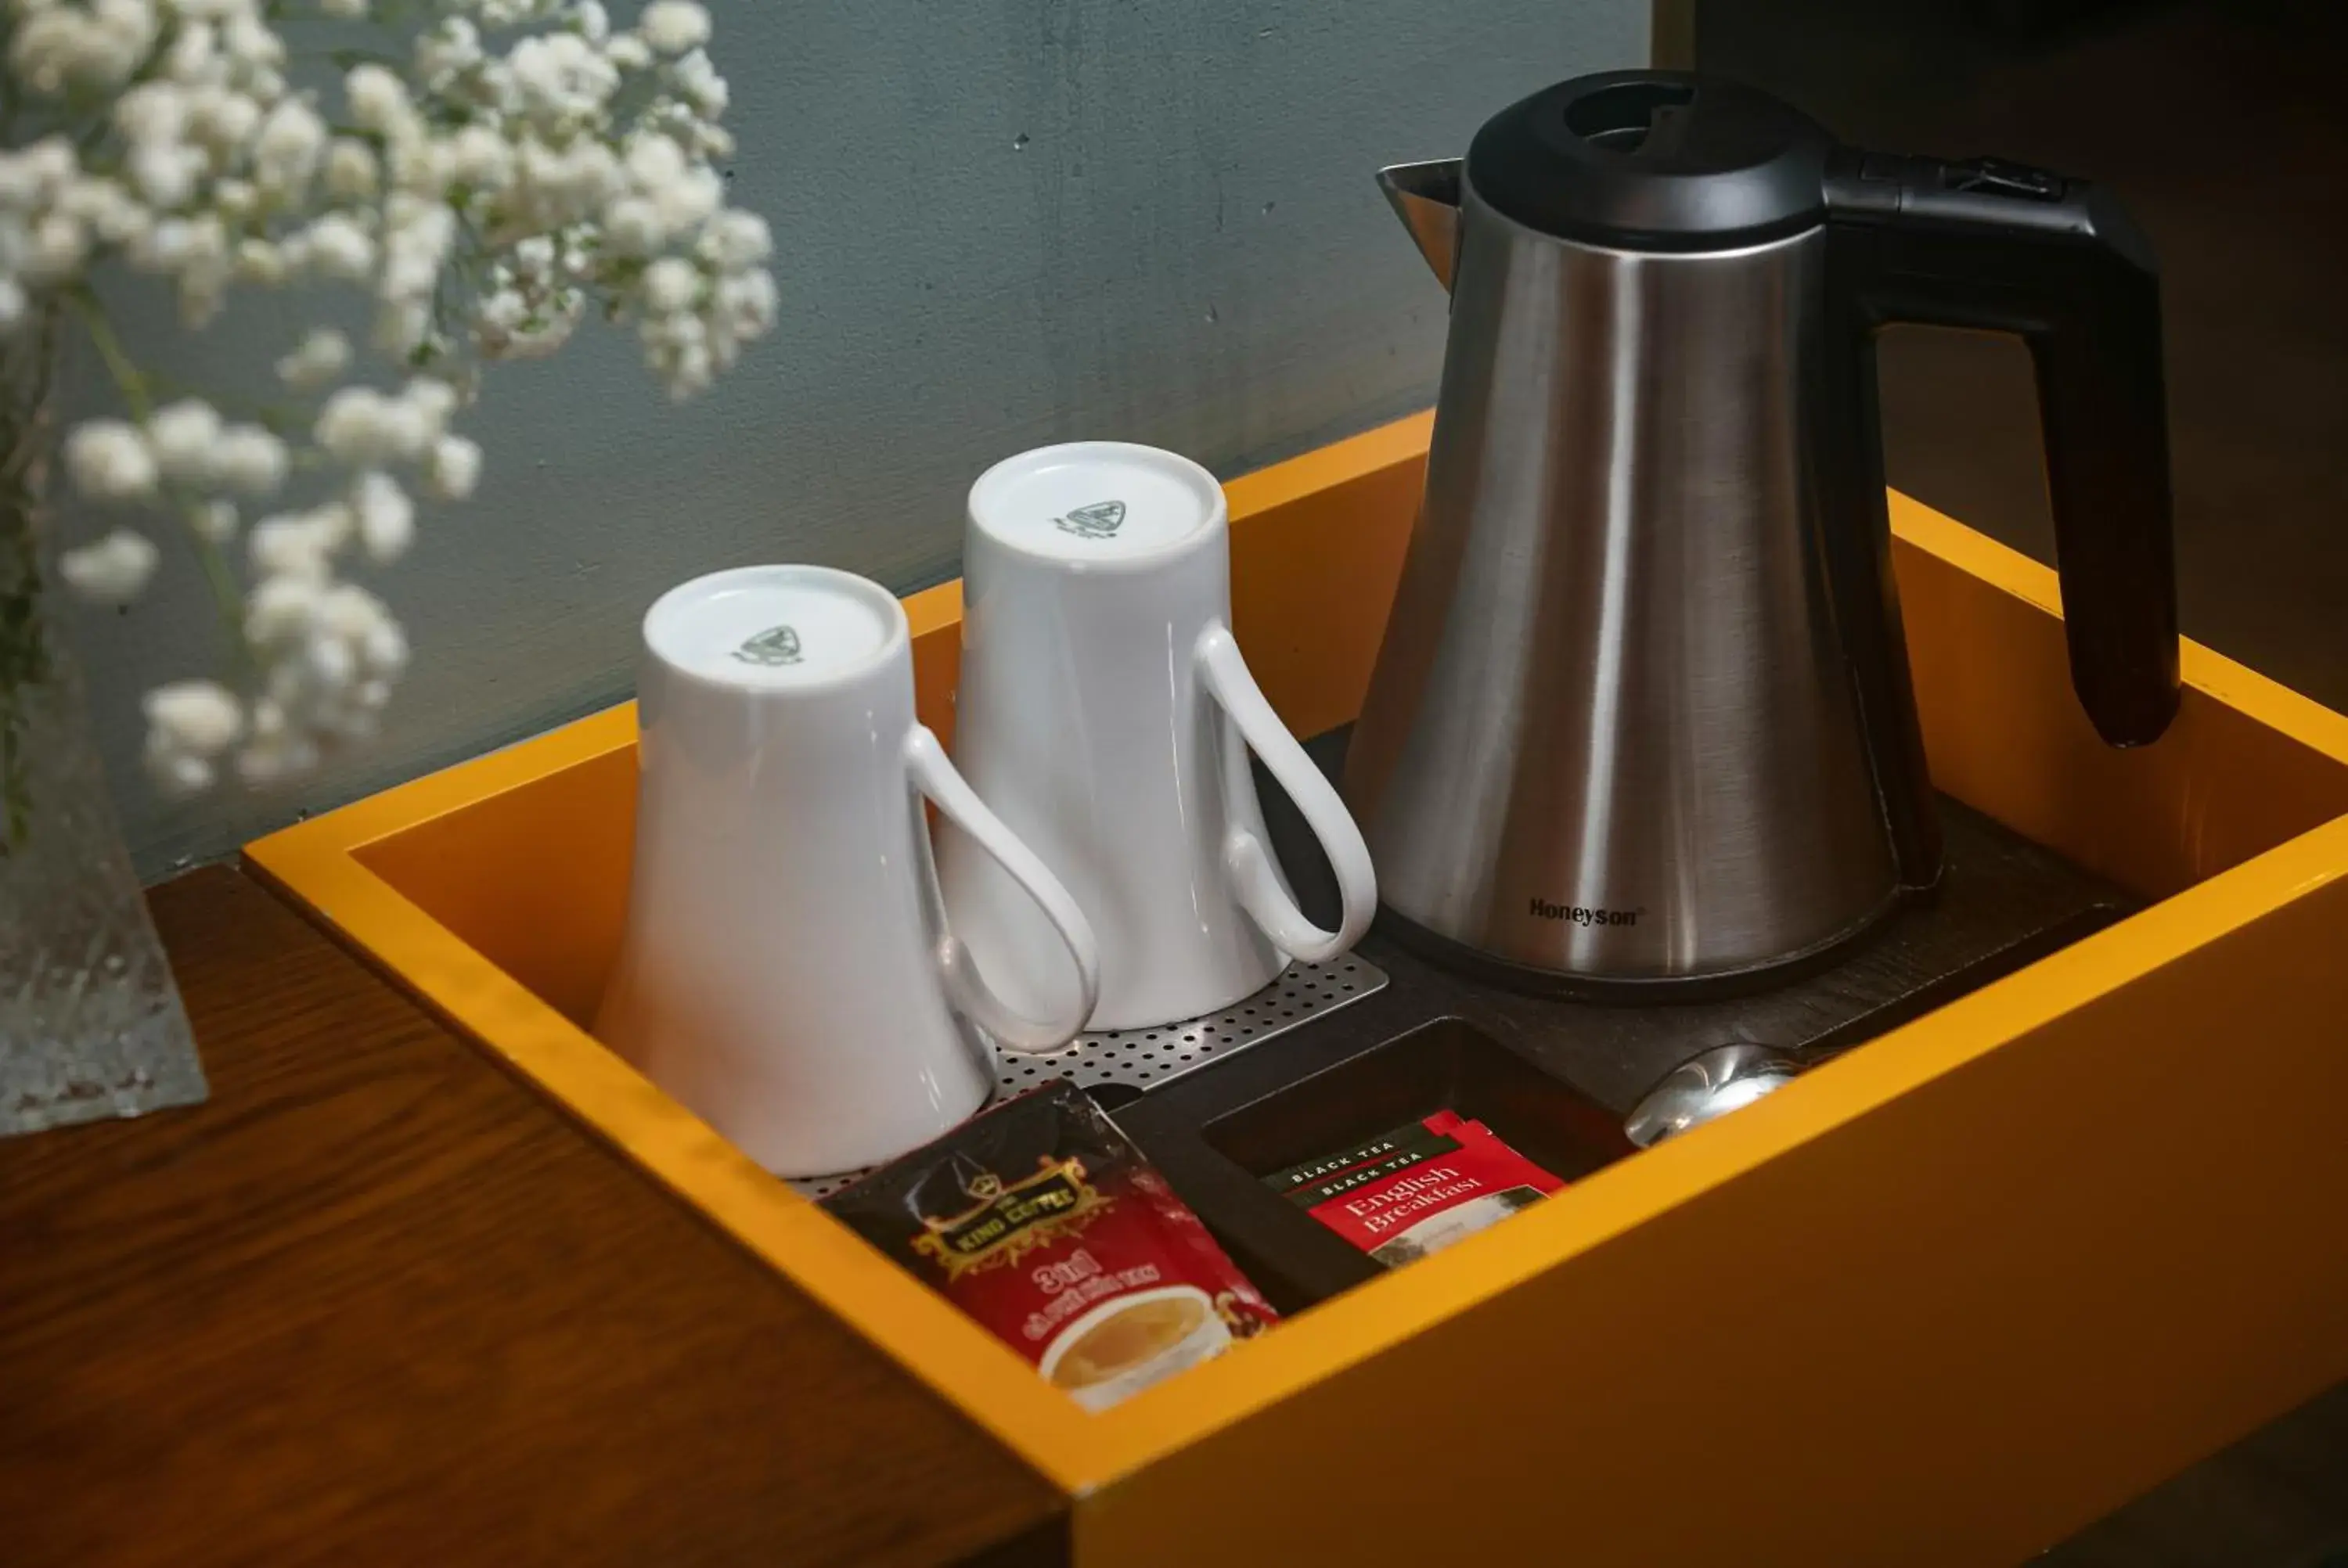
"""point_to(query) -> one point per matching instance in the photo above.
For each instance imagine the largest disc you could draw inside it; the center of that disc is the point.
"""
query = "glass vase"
(90, 1020)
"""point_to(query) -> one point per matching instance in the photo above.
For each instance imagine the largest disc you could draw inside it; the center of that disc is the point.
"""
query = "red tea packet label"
(1415, 1189)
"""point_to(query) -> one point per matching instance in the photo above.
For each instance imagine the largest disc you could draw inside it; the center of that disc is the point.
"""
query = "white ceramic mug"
(787, 971)
(1105, 713)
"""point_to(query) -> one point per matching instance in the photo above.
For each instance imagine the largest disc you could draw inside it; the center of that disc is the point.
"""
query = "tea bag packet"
(1042, 1221)
(1417, 1188)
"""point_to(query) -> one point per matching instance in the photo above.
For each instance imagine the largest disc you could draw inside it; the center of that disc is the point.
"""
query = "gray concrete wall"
(1000, 223)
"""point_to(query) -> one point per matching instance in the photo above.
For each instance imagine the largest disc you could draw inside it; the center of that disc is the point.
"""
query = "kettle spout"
(1426, 197)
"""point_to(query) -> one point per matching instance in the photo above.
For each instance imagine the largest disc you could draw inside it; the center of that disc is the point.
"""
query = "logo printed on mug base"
(1098, 521)
(776, 645)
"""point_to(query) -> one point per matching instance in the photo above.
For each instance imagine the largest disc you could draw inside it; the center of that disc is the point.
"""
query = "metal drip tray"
(1138, 1060)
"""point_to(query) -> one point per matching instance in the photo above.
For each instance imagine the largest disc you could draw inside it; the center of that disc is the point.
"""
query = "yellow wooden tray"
(1942, 1303)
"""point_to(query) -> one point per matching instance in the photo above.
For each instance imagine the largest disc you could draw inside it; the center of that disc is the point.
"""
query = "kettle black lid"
(1653, 160)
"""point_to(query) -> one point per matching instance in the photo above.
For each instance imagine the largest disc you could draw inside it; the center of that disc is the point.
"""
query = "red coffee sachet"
(1043, 1222)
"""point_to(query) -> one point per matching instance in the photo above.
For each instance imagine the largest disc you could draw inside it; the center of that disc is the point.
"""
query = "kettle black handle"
(2000, 247)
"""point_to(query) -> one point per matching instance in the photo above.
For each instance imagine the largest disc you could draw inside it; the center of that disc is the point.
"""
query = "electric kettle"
(1641, 723)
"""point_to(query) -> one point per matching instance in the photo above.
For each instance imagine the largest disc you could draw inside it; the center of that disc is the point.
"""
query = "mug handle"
(1249, 860)
(934, 775)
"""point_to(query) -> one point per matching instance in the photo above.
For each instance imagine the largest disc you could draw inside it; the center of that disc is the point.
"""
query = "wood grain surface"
(377, 1303)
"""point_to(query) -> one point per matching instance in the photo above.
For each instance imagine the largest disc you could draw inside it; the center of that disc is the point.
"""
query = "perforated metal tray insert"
(1145, 1059)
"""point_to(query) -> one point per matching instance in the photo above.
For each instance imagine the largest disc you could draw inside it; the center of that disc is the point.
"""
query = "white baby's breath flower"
(712, 141)
(151, 112)
(205, 269)
(747, 304)
(112, 571)
(266, 84)
(447, 51)
(633, 227)
(357, 618)
(420, 165)
(672, 27)
(115, 217)
(670, 284)
(250, 460)
(452, 468)
(628, 53)
(286, 151)
(434, 399)
(198, 717)
(351, 426)
(193, 55)
(65, 47)
(336, 247)
(296, 546)
(222, 119)
(330, 652)
(54, 250)
(508, 326)
(655, 162)
(559, 79)
(383, 648)
(132, 23)
(378, 99)
(480, 158)
(161, 248)
(283, 604)
(696, 80)
(189, 724)
(735, 241)
(503, 310)
(403, 328)
(687, 201)
(182, 436)
(416, 239)
(504, 183)
(362, 427)
(165, 172)
(555, 187)
(321, 355)
(408, 428)
(250, 42)
(677, 350)
(534, 257)
(350, 171)
(109, 461)
(387, 517)
(39, 172)
(327, 668)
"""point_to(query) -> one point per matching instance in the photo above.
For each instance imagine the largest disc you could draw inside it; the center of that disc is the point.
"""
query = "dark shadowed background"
(2225, 125)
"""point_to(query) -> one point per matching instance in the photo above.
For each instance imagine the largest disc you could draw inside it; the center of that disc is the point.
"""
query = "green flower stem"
(127, 377)
(228, 599)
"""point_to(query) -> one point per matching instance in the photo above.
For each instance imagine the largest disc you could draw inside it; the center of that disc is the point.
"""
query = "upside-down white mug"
(1105, 713)
(787, 971)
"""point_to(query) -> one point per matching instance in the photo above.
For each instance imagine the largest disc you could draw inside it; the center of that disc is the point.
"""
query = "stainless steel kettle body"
(1611, 731)
(1641, 720)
